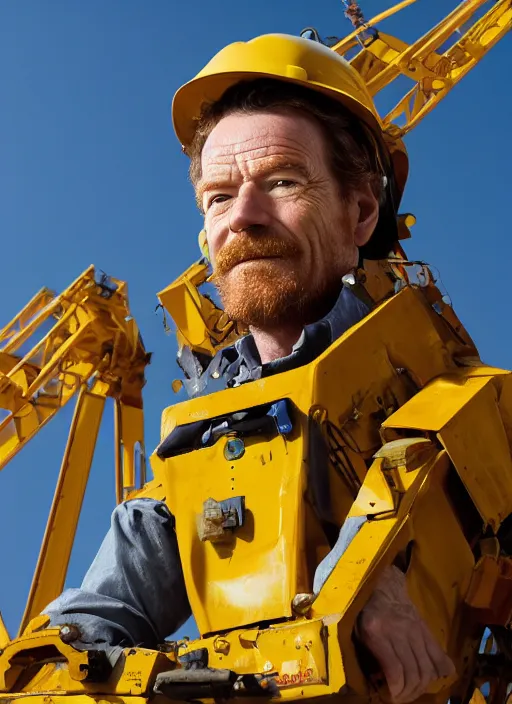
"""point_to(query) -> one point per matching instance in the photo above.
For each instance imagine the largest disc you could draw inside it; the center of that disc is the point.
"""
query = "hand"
(393, 630)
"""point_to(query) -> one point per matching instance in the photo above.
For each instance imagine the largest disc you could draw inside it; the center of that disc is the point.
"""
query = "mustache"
(246, 246)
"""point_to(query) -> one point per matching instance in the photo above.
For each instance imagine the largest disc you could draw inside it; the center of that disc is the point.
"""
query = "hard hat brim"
(192, 97)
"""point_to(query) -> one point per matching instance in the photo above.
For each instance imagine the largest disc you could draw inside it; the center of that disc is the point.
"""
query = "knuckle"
(394, 678)
(446, 668)
(371, 626)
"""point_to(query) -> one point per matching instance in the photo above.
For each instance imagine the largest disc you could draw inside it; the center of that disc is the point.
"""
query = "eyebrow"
(267, 167)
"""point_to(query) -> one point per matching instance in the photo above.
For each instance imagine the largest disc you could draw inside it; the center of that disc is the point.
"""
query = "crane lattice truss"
(382, 59)
(82, 343)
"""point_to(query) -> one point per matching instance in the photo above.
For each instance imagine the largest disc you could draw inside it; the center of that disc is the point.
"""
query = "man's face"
(280, 237)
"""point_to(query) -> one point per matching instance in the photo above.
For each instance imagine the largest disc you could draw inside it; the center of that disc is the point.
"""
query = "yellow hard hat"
(294, 60)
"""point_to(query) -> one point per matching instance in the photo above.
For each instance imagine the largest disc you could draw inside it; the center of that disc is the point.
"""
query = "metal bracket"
(220, 518)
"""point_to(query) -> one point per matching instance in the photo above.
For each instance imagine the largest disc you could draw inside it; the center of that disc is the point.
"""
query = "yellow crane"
(399, 438)
(80, 344)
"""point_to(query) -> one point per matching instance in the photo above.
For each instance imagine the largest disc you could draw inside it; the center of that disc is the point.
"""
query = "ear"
(368, 208)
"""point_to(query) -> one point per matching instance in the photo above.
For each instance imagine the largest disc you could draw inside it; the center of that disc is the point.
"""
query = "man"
(297, 183)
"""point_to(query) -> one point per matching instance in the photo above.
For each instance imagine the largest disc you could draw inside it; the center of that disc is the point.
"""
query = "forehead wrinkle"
(237, 154)
(228, 147)
(270, 163)
(274, 156)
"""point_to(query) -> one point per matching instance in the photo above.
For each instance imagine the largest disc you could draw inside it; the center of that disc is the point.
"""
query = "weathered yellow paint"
(451, 406)
(407, 373)
(407, 483)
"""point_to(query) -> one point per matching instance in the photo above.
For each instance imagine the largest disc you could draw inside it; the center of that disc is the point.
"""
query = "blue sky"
(90, 172)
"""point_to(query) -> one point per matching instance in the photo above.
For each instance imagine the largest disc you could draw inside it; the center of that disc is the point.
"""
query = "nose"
(249, 209)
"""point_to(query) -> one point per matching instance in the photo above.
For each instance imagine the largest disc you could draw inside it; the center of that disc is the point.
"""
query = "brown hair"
(351, 149)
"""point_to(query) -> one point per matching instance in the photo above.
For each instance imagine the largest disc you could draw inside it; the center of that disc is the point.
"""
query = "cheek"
(215, 236)
(326, 232)
(309, 218)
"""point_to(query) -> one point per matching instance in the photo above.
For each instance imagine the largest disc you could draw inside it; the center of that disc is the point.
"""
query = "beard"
(262, 285)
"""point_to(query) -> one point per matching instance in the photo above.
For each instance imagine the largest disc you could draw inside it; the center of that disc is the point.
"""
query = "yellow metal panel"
(255, 575)
(357, 563)
(4, 634)
(441, 562)
(129, 447)
(375, 495)
(505, 404)
(352, 386)
(50, 572)
(376, 343)
(134, 675)
(478, 447)
(73, 698)
(463, 411)
(436, 404)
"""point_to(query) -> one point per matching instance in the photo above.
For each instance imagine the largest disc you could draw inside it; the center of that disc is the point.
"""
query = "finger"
(391, 665)
(442, 664)
(426, 668)
(404, 648)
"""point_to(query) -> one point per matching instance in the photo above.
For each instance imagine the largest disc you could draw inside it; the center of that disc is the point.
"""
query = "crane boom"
(92, 336)
(381, 58)
(82, 343)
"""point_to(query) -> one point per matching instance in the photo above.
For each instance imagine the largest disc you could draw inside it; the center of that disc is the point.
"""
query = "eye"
(218, 198)
(283, 183)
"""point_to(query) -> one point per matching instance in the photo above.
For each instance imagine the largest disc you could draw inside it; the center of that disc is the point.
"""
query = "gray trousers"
(133, 593)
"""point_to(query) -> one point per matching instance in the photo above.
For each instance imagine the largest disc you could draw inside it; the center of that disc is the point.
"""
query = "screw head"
(234, 449)
(301, 603)
(68, 634)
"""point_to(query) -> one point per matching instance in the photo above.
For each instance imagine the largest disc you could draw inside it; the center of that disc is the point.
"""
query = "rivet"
(301, 603)
(68, 634)
(221, 645)
(234, 449)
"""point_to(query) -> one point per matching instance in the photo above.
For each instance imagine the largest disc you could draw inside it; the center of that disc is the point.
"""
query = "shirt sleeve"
(134, 592)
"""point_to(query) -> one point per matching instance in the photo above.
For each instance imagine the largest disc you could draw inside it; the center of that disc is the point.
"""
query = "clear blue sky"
(90, 172)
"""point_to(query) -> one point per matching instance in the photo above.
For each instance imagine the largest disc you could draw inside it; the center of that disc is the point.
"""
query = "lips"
(252, 260)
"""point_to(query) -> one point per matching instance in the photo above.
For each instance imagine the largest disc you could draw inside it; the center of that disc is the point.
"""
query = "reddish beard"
(261, 284)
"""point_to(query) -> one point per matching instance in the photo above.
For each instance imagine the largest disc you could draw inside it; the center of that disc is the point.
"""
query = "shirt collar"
(315, 338)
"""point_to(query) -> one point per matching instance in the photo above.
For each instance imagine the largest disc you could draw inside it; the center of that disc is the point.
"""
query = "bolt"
(221, 645)
(234, 449)
(68, 634)
(301, 603)
(267, 666)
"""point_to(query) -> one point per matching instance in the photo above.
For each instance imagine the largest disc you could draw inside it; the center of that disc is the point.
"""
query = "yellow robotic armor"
(397, 426)
(394, 454)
